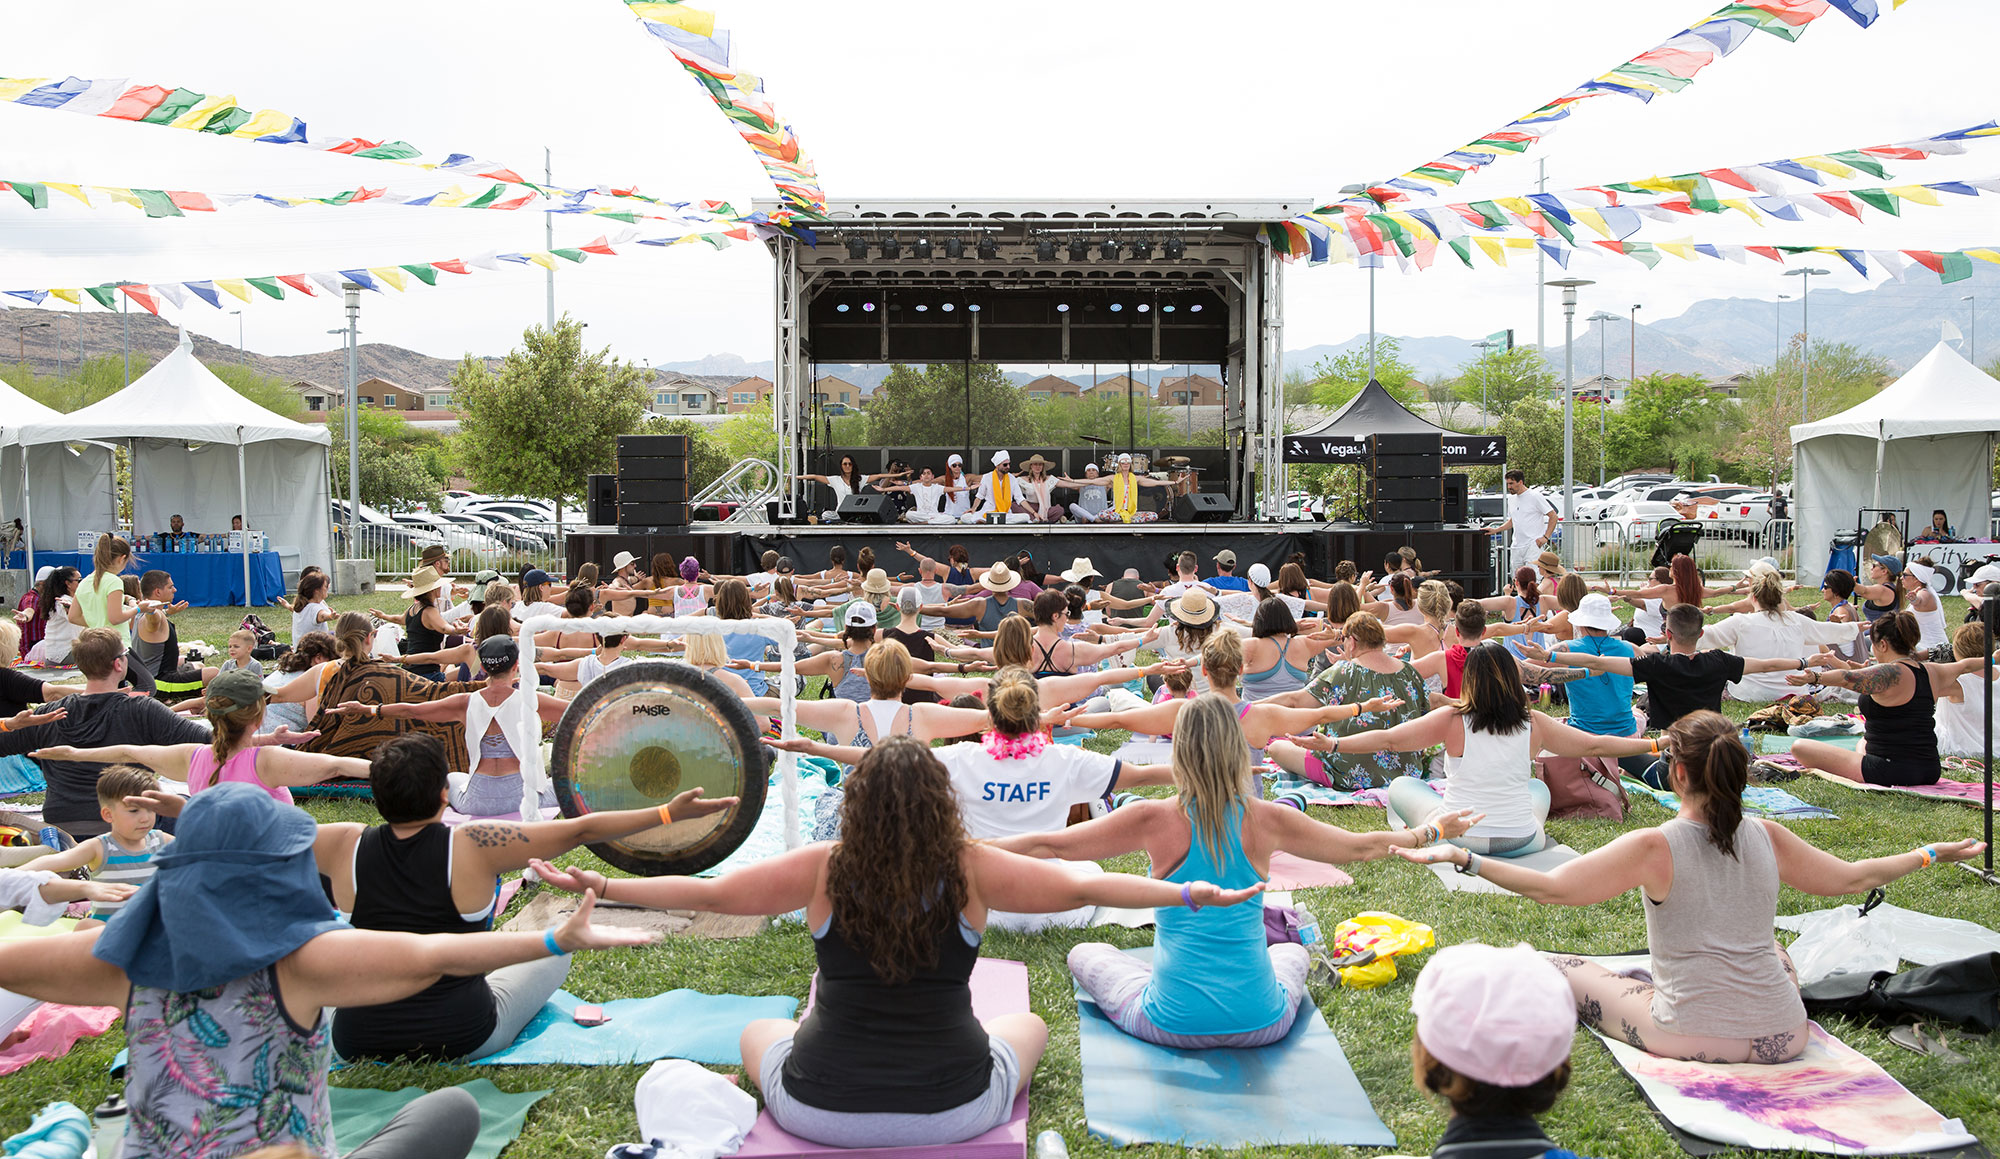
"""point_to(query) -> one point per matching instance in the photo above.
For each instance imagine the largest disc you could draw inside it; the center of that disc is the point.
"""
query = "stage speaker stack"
(652, 483)
(603, 500)
(1405, 481)
(868, 508)
(1456, 487)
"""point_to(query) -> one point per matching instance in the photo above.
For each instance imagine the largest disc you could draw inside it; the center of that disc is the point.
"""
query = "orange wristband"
(1656, 746)
(666, 818)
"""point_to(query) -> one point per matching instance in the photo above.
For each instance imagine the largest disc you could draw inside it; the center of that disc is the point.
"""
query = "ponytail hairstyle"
(233, 724)
(312, 586)
(354, 637)
(1434, 601)
(110, 549)
(1403, 591)
(1898, 631)
(1570, 591)
(1715, 767)
(1222, 659)
(1686, 580)
(1527, 582)
(1345, 572)
(1014, 701)
(1076, 597)
(53, 588)
(864, 560)
(1769, 591)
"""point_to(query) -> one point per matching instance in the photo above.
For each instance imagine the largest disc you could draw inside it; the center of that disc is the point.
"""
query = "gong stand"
(646, 730)
(1984, 872)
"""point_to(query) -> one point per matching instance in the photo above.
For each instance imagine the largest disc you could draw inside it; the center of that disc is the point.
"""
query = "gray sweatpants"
(443, 1124)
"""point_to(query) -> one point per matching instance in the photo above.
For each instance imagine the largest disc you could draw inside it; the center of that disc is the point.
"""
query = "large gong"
(640, 734)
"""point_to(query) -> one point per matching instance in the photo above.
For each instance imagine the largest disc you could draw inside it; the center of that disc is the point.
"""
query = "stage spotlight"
(922, 248)
(1045, 250)
(1142, 249)
(990, 249)
(841, 309)
(921, 307)
(1109, 250)
(1195, 309)
(947, 307)
(1079, 249)
(1062, 307)
(1143, 307)
(892, 248)
(857, 247)
(1117, 306)
(1175, 249)
(868, 307)
(1167, 309)
(972, 308)
(954, 248)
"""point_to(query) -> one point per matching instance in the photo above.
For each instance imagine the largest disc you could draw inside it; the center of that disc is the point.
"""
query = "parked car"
(1486, 509)
(376, 532)
(454, 536)
(515, 538)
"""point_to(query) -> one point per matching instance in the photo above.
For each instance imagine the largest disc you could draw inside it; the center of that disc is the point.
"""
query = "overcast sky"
(1162, 100)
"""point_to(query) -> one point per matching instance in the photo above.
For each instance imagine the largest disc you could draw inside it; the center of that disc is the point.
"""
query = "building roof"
(1054, 383)
(1120, 384)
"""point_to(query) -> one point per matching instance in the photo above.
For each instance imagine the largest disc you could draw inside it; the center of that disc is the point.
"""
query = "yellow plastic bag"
(1386, 934)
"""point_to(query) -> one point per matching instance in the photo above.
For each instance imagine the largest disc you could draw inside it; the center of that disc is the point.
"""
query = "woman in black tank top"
(891, 1053)
(1898, 701)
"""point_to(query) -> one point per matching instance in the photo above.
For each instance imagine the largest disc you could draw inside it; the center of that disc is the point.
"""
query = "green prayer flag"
(1863, 162)
(393, 151)
(107, 296)
(487, 198)
(1463, 248)
(570, 255)
(1654, 75)
(428, 275)
(269, 286)
(1644, 251)
(179, 101)
(33, 192)
(226, 121)
(156, 203)
(1957, 268)
(1881, 199)
(1491, 212)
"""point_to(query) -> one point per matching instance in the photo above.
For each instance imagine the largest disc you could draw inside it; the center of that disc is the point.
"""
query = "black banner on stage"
(1475, 449)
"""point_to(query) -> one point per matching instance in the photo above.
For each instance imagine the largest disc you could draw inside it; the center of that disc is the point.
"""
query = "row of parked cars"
(488, 528)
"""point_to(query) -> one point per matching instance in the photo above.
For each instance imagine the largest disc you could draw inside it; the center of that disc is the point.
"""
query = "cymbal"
(1095, 439)
(1176, 460)
(640, 734)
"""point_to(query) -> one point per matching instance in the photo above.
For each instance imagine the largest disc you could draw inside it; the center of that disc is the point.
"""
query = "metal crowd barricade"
(514, 549)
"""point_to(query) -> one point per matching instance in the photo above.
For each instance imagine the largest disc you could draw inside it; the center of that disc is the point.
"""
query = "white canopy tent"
(1925, 442)
(79, 485)
(180, 422)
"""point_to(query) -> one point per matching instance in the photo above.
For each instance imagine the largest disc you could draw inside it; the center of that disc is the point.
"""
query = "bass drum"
(640, 734)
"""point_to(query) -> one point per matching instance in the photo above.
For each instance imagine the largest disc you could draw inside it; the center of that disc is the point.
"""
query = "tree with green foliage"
(401, 467)
(549, 418)
(1768, 403)
(947, 404)
(1106, 414)
(273, 394)
(1338, 378)
(707, 459)
(752, 434)
(1673, 421)
(1498, 379)
(92, 380)
(1534, 432)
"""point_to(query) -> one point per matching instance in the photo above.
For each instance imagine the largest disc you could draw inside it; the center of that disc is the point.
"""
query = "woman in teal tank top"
(1212, 981)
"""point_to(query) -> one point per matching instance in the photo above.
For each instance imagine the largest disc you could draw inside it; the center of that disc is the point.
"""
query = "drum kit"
(640, 734)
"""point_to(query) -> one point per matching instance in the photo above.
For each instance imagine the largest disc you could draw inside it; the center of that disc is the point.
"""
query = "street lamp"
(1603, 391)
(21, 335)
(1778, 331)
(1486, 347)
(1362, 190)
(1569, 287)
(1805, 351)
(238, 314)
(352, 291)
(1972, 342)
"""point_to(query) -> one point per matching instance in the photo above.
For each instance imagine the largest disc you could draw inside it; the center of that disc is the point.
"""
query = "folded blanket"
(1758, 800)
(1279, 783)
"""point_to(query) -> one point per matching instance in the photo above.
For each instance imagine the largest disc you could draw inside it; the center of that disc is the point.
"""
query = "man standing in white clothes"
(1532, 520)
(998, 493)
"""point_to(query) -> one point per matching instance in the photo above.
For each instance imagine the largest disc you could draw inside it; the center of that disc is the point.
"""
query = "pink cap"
(1503, 1017)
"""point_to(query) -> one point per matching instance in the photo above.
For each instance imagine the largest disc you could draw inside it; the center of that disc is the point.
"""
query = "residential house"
(1191, 390)
(380, 393)
(675, 393)
(1731, 387)
(317, 399)
(831, 391)
(1050, 386)
(749, 393)
(1118, 386)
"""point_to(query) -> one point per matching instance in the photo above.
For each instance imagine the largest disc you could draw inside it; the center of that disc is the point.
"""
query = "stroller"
(1675, 537)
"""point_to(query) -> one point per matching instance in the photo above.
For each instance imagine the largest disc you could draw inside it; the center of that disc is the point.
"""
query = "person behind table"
(892, 1054)
(1722, 989)
(1493, 774)
(1940, 529)
(233, 1000)
(1899, 695)
(414, 874)
(123, 855)
(1214, 983)
(1494, 1028)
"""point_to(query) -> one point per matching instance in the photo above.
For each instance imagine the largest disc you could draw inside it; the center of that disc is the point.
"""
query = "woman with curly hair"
(891, 1053)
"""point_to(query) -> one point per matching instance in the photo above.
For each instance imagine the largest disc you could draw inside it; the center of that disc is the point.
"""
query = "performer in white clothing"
(930, 495)
(999, 493)
(1035, 488)
(958, 494)
(1093, 497)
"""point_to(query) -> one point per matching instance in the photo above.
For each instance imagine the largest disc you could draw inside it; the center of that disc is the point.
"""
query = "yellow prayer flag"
(73, 297)
(13, 90)
(390, 274)
(1921, 194)
(1518, 206)
(264, 124)
(1668, 184)
(1745, 208)
(198, 115)
(1519, 243)
(1683, 250)
(678, 15)
(1984, 255)
(1593, 219)
(1825, 165)
(545, 260)
(75, 191)
(1634, 82)
(236, 286)
(122, 196)
(1493, 251)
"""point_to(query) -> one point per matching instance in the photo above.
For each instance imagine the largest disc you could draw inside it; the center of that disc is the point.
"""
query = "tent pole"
(27, 514)
(243, 505)
(1881, 449)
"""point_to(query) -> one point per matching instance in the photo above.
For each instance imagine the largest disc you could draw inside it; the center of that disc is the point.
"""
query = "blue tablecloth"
(204, 581)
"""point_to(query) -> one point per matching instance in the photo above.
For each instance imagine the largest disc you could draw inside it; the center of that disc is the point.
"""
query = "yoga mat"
(1146, 752)
(1283, 783)
(1758, 801)
(51, 1031)
(18, 775)
(767, 839)
(998, 987)
(14, 925)
(677, 1024)
(1289, 872)
(1777, 742)
(1962, 792)
(1298, 1090)
(359, 1112)
(1832, 1100)
(1449, 876)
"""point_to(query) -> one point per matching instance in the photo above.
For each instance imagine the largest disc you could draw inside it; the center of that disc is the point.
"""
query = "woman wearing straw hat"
(221, 996)
(424, 622)
(1194, 617)
(1036, 497)
(989, 608)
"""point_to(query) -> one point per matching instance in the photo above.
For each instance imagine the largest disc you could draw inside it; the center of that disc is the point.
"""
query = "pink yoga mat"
(1289, 872)
(998, 987)
(51, 1031)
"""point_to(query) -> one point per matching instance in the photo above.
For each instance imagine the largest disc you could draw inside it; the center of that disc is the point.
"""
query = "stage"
(1456, 553)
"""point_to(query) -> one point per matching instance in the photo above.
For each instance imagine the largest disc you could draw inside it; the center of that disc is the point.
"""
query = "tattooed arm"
(1536, 674)
(497, 847)
(1873, 680)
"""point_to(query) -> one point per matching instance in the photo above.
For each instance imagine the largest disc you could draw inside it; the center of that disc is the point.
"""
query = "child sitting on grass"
(241, 644)
(122, 856)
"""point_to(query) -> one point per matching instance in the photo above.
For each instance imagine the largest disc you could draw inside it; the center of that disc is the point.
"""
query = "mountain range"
(1713, 338)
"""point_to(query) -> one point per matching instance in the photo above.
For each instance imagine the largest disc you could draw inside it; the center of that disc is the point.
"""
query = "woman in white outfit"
(1961, 713)
(1933, 635)
(1771, 632)
(958, 489)
(931, 497)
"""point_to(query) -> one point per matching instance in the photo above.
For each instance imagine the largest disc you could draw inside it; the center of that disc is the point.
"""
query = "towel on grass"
(1758, 801)
(359, 1112)
(677, 1024)
(51, 1031)
(1281, 783)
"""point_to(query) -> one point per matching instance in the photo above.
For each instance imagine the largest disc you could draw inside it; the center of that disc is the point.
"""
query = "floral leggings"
(1621, 1005)
(1116, 981)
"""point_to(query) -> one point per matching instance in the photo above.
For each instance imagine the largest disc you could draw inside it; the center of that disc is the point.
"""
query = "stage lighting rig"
(921, 248)
(891, 248)
(1142, 248)
(990, 249)
(1109, 249)
(1175, 249)
(954, 248)
(1079, 249)
(857, 247)
(1045, 249)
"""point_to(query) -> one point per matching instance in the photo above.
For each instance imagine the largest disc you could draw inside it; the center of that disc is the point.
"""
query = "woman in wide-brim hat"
(1193, 617)
(1037, 491)
(425, 625)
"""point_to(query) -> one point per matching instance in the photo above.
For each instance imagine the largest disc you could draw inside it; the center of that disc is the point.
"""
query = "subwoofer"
(1202, 507)
(645, 732)
(603, 509)
(869, 508)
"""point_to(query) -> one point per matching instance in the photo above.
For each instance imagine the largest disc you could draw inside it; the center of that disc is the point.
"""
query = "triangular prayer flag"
(298, 282)
(145, 297)
(269, 286)
(424, 274)
(236, 286)
(105, 296)
(206, 292)
(393, 275)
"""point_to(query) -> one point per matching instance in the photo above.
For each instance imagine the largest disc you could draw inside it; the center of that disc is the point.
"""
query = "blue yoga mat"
(1296, 1091)
(678, 1024)
(1771, 743)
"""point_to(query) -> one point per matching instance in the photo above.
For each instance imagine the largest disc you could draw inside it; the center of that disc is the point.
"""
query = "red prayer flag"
(1729, 177)
(453, 266)
(190, 202)
(145, 296)
(1841, 202)
(1926, 259)
(600, 246)
(137, 102)
(298, 282)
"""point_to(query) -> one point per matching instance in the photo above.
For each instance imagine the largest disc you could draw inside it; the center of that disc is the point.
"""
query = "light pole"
(21, 335)
(1972, 342)
(239, 334)
(125, 308)
(1632, 370)
(1362, 190)
(1569, 287)
(352, 290)
(1603, 390)
(1805, 350)
(1778, 330)
(1486, 347)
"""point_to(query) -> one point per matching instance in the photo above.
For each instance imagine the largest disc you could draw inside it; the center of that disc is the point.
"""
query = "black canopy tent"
(1343, 438)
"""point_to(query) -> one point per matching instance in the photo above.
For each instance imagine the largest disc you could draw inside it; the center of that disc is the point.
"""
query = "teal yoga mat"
(359, 1112)
(678, 1024)
(1777, 742)
(1299, 1090)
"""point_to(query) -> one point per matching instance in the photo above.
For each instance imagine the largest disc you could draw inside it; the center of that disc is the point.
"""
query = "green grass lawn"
(1601, 1114)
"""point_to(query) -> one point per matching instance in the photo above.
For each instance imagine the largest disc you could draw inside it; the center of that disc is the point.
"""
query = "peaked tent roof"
(178, 399)
(18, 410)
(1373, 411)
(1941, 395)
